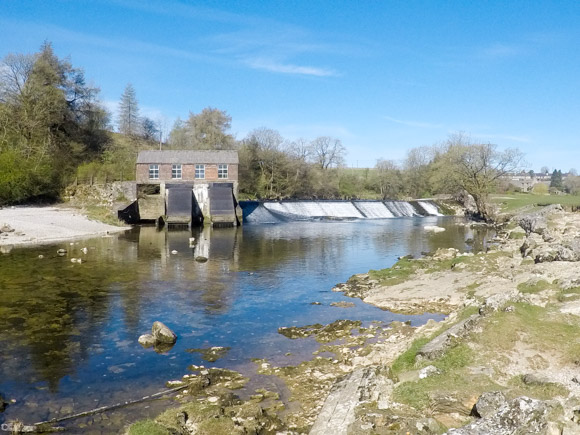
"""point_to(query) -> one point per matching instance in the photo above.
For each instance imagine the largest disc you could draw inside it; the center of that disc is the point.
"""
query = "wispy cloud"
(273, 66)
(251, 42)
(416, 124)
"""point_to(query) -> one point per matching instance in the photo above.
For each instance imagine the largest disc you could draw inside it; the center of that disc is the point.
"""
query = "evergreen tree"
(129, 120)
(557, 181)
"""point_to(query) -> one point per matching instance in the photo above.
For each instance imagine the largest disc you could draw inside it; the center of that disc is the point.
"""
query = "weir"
(280, 211)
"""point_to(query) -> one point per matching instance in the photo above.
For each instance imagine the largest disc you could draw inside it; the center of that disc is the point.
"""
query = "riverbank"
(42, 225)
(507, 354)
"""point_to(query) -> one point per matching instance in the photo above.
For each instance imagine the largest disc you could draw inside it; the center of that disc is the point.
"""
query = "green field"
(515, 201)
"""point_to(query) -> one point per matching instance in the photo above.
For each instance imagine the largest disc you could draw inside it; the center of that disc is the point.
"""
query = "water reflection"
(69, 331)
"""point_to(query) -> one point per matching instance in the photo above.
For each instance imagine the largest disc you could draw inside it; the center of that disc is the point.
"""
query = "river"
(68, 331)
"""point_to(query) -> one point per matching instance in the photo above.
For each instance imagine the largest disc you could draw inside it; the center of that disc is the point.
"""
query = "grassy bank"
(512, 202)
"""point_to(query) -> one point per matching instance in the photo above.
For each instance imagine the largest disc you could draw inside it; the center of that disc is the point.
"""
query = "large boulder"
(489, 403)
(567, 251)
(521, 415)
(536, 222)
(533, 223)
(163, 334)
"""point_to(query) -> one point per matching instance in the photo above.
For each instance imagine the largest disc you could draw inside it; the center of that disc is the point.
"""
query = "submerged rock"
(201, 259)
(163, 334)
(211, 354)
(342, 304)
(3, 404)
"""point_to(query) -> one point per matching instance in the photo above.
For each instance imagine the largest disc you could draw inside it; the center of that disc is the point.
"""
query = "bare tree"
(301, 149)
(268, 144)
(476, 168)
(15, 69)
(327, 152)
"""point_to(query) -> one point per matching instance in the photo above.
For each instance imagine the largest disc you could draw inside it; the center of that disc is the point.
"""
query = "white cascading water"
(373, 209)
(271, 211)
(430, 208)
(401, 208)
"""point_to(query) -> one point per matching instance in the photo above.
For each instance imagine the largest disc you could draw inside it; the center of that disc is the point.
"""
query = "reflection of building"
(186, 187)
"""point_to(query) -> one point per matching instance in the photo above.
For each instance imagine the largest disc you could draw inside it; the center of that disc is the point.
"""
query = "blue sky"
(382, 76)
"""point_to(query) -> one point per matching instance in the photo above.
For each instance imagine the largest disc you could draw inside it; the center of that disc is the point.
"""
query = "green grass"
(527, 287)
(514, 201)
(397, 274)
(406, 361)
(147, 427)
(452, 375)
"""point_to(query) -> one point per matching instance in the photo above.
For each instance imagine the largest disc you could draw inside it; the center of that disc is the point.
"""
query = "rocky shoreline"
(505, 360)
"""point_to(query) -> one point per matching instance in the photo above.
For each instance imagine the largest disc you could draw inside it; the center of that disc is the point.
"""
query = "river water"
(68, 331)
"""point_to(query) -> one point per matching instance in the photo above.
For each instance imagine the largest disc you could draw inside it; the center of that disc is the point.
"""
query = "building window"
(154, 172)
(199, 171)
(176, 172)
(222, 171)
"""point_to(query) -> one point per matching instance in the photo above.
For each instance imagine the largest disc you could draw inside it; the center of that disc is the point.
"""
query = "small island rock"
(163, 334)
(147, 340)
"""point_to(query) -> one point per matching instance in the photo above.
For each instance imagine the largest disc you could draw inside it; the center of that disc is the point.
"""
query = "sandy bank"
(40, 225)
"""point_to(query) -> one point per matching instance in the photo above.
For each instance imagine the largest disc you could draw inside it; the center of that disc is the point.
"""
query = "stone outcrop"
(437, 347)
(338, 411)
(536, 222)
(520, 415)
(489, 403)
(545, 245)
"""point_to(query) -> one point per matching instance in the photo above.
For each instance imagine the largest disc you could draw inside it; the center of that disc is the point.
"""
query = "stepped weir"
(280, 211)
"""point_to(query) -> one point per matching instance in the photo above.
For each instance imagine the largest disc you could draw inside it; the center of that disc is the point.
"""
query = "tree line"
(54, 130)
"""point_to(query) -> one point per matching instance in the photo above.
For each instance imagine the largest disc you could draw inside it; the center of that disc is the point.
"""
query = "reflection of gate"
(222, 204)
(179, 203)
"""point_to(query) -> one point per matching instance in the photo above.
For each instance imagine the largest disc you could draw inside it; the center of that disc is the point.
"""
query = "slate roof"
(188, 157)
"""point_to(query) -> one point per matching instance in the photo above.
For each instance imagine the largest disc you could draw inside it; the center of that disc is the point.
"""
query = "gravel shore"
(40, 225)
